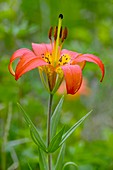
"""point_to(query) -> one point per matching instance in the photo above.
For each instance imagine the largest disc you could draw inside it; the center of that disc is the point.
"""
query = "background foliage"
(90, 27)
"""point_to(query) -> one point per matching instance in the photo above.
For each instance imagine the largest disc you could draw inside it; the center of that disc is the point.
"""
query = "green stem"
(49, 130)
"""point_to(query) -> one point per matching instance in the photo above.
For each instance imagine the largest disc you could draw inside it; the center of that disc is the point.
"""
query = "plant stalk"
(49, 130)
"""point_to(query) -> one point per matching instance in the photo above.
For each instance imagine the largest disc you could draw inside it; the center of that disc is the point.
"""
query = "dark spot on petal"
(60, 59)
(64, 63)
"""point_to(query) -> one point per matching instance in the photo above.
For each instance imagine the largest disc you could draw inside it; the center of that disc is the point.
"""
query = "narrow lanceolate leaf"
(35, 138)
(33, 129)
(60, 159)
(56, 116)
(54, 144)
(70, 163)
(73, 128)
(42, 160)
(29, 167)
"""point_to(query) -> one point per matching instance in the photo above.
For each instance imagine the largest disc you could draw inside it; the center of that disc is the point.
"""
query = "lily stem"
(49, 130)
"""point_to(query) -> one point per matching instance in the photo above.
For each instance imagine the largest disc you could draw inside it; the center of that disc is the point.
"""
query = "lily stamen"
(57, 40)
(55, 33)
(50, 34)
(64, 34)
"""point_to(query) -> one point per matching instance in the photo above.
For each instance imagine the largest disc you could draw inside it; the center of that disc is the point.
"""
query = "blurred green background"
(90, 27)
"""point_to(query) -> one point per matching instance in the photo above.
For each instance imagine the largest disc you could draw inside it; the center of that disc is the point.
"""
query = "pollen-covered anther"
(50, 33)
(64, 34)
(55, 33)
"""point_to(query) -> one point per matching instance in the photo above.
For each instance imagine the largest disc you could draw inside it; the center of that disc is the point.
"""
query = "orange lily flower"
(57, 64)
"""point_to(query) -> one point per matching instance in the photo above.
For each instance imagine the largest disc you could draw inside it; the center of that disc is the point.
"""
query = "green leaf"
(29, 166)
(35, 138)
(54, 144)
(56, 116)
(70, 163)
(42, 160)
(34, 133)
(60, 159)
(73, 128)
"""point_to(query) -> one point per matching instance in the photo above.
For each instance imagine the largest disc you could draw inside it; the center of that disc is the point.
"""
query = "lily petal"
(33, 63)
(91, 58)
(73, 78)
(25, 59)
(18, 54)
(72, 54)
(40, 49)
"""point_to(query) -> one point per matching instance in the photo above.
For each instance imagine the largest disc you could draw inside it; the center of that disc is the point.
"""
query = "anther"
(55, 33)
(50, 33)
(64, 34)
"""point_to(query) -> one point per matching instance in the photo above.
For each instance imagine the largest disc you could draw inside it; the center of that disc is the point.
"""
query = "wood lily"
(54, 63)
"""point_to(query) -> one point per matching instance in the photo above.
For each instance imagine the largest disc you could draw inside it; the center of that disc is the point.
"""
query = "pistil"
(59, 32)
